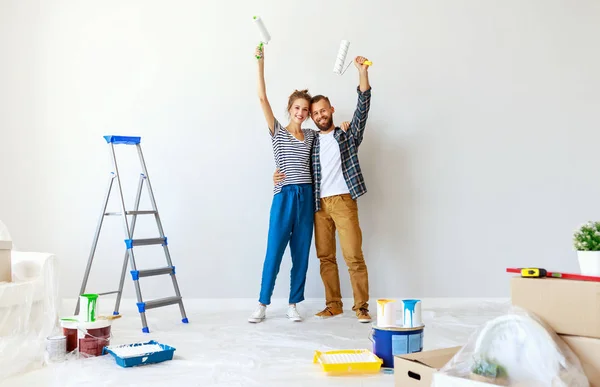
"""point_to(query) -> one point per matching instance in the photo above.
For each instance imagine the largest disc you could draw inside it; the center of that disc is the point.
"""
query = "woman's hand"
(278, 177)
(259, 52)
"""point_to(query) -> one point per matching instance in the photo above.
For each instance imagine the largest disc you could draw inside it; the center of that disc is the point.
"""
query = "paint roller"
(264, 34)
(341, 58)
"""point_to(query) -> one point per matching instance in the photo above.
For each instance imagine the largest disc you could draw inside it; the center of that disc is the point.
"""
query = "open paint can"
(88, 304)
(92, 337)
(69, 327)
(56, 348)
(412, 314)
(386, 312)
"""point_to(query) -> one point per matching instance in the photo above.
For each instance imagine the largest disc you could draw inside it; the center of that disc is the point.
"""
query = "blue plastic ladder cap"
(129, 243)
(165, 242)
(135, 275)
(173, 273)
(115, 313)
(185, 320)
(145, 330)
(127, 140)
(141, 306)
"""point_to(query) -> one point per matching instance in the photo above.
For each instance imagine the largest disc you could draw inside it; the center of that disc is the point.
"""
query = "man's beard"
(327, 124)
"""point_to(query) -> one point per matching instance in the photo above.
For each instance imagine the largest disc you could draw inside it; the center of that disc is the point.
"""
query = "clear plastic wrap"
(515, 349)
(29, 308)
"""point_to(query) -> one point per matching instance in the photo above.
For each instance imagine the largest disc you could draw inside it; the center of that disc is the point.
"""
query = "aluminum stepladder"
(130, 243)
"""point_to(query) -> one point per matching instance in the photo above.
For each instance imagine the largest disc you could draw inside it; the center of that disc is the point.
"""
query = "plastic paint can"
(92, 337)
(389, 342)
(88, 307)
(412, 313)
(386, 312)
(69, 327)
(56, 348)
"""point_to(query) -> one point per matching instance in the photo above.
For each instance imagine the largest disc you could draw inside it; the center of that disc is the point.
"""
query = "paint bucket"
(56, 348)
(92, 337)
(386, 312)
(412, 314)
(87, 307)
(389, 342)
(69, 327)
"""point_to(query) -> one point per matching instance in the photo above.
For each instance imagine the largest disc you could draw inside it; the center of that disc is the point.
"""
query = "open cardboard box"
(417, 369)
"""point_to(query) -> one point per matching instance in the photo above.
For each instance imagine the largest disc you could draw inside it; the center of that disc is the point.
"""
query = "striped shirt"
(292, 156)
(349, 143)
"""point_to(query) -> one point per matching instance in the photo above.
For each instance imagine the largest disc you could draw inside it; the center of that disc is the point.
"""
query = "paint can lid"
(95, 324)
(73, 322)
(60, 337)
(69, 322)
(398, 328)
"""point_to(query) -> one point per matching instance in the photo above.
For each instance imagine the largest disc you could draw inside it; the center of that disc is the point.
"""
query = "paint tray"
(131, 355)
(348, 361)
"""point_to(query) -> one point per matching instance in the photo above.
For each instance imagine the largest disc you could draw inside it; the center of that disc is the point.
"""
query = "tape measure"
(533, 272)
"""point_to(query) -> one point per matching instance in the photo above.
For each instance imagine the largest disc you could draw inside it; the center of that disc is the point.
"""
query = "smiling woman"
(291, 219)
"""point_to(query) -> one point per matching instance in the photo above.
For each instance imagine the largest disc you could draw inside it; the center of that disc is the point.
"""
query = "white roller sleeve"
(341, 57)
(265, 37)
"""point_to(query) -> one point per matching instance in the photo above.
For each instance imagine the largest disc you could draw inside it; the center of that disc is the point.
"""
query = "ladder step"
(107, 293)
(144, 306)
(137, 274)
(127, 140)
(145, 242)
(143, 212)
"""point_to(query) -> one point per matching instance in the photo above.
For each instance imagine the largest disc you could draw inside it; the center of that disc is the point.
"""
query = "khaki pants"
(341, 212)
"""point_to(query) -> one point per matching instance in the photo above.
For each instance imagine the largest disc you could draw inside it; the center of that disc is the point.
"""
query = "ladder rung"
(145, 242)
(107, 293)
(143, 306)
(128, 140)
(136, 274)
(142, 212)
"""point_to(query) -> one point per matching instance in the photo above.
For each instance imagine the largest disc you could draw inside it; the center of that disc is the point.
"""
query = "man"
(338, 182)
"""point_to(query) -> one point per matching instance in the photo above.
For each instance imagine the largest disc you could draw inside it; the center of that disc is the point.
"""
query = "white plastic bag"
(517, 349)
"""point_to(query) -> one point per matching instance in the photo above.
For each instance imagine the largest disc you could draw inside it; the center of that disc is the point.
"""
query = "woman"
(292, 209)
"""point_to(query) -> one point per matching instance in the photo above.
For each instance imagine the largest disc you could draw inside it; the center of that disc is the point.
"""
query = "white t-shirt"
(332, 177)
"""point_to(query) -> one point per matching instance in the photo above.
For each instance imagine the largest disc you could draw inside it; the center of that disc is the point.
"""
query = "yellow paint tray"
(348, 361)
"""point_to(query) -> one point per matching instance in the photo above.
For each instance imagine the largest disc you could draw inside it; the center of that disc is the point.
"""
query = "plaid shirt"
(349, 142)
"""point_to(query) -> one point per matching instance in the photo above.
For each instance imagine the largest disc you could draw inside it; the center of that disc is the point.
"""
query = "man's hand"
(364, 84)
(278, 177)
(359, 62)
(345, 125)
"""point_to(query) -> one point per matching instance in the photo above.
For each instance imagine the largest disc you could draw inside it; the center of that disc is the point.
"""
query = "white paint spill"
(138, 350)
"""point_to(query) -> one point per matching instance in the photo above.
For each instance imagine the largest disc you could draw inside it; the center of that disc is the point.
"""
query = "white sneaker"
(258, 315)
(293, 314)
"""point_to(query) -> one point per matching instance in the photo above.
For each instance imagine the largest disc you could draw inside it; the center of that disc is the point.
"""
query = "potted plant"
(586, 241)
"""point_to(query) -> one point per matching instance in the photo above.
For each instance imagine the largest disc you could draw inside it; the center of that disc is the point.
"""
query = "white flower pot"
(589, 262)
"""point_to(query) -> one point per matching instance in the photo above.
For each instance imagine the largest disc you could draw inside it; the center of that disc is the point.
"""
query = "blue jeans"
(291, 220)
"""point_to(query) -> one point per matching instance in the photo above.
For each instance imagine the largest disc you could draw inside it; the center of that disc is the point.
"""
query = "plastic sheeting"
(28, 312)
(220, 348)
(516, 349)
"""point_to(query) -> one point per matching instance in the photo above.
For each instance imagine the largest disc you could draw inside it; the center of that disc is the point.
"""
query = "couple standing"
(319, 180)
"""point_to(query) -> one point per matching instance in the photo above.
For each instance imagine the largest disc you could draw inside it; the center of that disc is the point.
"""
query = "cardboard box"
(442, 380)
(569, 307)
(417, 369)
(588, 352)
(5, 261)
